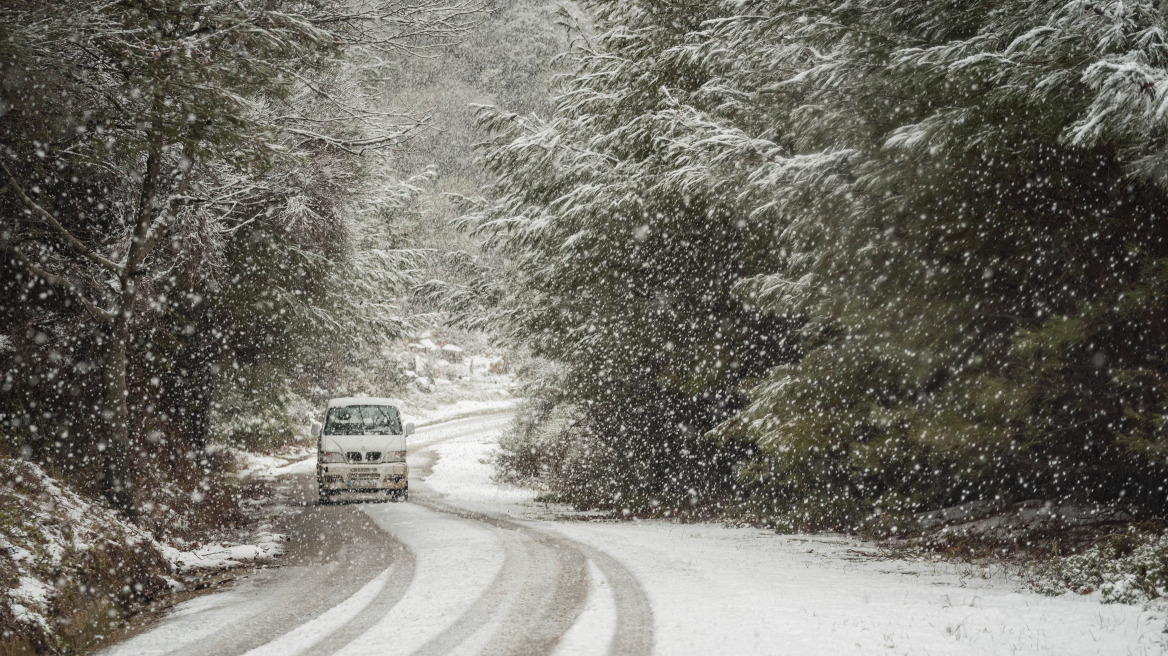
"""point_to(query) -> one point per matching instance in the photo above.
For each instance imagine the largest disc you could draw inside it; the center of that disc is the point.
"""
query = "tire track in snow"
(549, 613)
(429, 578)
(456, 562)
(394, 589)
(302, 638)
(633, 633)
(596, 622)
(529, 612)
(470, 627)
(535, 599)
(329, 554)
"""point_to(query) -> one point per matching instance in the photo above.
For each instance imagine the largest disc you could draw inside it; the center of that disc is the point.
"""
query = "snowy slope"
(57, 544)
(722, 590)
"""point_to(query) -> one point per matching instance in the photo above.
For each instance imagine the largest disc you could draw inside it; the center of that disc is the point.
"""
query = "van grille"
(353, 456)
(373, 456)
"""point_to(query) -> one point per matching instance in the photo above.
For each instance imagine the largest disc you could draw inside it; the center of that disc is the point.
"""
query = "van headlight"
(330, 456)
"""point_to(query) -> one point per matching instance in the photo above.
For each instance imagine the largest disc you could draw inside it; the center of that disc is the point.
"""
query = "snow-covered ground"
(471, 566)
(53, 529)
(722, 590)
(263, 545)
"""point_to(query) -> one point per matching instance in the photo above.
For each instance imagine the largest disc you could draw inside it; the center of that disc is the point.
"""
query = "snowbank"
(219, 555)
(258, 466)
(465, 472)
(63, 551)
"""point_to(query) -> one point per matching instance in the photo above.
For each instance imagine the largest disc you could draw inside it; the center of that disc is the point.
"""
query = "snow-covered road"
(472, 567)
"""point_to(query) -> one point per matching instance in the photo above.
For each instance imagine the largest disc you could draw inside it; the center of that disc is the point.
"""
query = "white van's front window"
(363, 420)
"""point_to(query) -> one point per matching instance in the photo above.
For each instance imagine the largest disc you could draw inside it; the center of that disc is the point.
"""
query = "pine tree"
(983, 325)
(142, 138)
(960, 206)
(626, 266)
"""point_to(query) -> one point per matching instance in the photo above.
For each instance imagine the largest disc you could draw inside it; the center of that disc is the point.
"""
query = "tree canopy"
(926, 239)
(193, 203)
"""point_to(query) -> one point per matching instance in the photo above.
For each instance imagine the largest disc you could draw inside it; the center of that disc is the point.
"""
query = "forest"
(191, 230)
(812, 266)
(831, 265)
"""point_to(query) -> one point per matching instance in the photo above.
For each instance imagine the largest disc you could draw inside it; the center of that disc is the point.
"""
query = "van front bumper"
(340, 477)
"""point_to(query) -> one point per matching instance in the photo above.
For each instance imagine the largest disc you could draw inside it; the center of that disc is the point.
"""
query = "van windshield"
(363, 420)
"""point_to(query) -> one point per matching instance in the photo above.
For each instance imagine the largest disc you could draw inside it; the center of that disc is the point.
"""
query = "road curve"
(426, 577)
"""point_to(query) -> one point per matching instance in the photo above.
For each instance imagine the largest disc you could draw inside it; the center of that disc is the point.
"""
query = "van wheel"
(323, 497)
(404, 493)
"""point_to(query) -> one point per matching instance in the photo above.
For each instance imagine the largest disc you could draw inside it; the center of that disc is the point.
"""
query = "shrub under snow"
(1126, 569)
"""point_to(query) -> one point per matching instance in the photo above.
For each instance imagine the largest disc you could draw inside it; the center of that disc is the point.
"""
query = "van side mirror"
(315, 428)
(408, 429)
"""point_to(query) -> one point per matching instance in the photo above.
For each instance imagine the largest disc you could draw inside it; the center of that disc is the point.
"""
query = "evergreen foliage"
(982, 320)
(187, 217)
(958, 207)
(625, 269)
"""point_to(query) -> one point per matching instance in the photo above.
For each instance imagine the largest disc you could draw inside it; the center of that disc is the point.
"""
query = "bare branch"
(158, 229)
(73, 241)
(59, 281)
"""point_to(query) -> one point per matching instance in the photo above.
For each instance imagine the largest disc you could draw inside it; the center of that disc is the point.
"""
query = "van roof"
(346, 401)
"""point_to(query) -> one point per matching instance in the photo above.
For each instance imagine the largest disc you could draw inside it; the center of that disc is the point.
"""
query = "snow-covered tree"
(151, 146)
(958, 206)
(978, 259)
(626, 262)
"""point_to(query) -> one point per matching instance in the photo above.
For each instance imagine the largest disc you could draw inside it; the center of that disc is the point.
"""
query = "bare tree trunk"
(117, 478)
(199, 419)
(117, 481)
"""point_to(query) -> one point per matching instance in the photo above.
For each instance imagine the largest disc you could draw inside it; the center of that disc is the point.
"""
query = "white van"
(362, 448)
